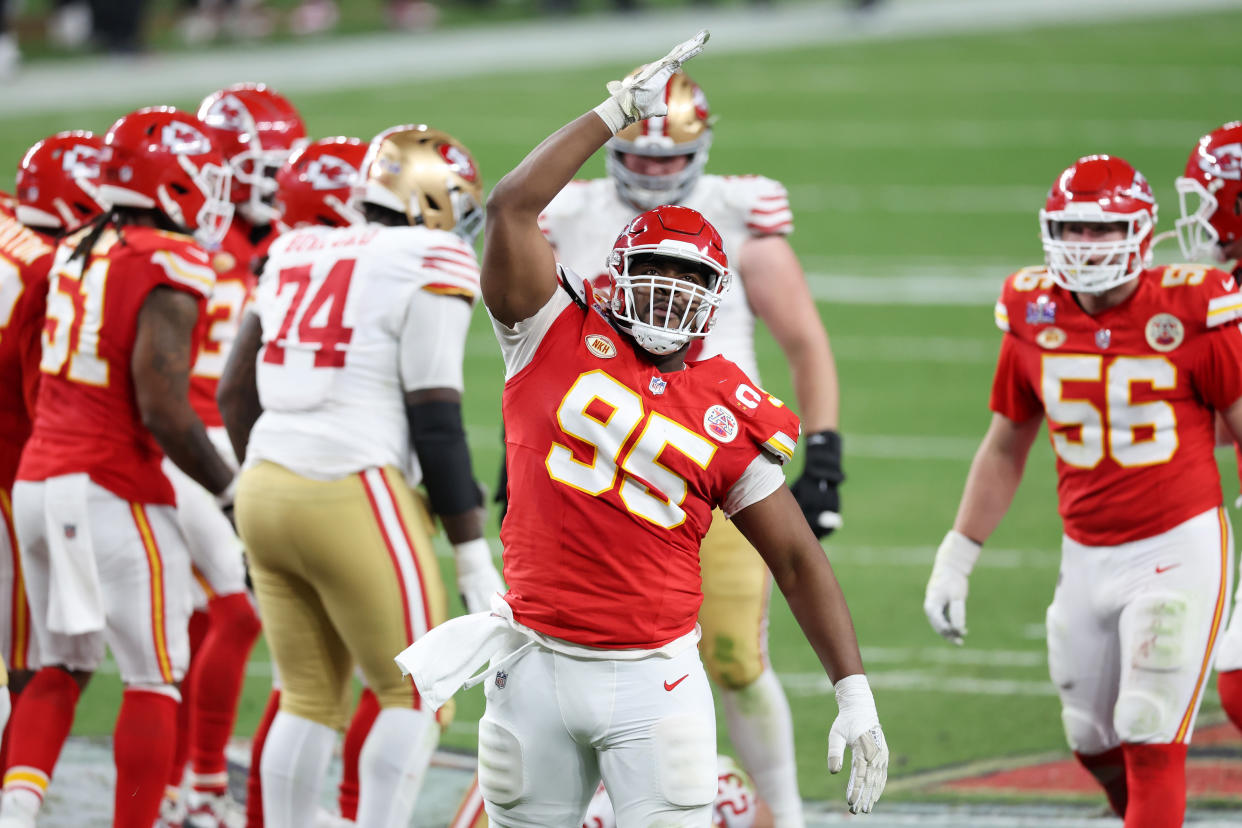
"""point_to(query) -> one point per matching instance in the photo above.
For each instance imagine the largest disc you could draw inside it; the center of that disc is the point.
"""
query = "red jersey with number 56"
(614, 469)
(86, 415)
(25, 257)
(1129, 394)
(218, 325)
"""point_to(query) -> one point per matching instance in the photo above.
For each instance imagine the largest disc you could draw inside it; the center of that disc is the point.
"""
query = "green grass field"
(908, 160)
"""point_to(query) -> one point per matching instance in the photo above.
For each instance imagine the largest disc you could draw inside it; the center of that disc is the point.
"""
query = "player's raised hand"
(944, 603)
(858, 726)
(641, 95)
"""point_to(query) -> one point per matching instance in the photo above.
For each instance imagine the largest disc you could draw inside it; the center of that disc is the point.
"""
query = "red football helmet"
(1214, 177)
(256, 128)
(57, 182)
(685, 130)
(1098, 189)
(673, 233)
(314, 186)
(160, 158)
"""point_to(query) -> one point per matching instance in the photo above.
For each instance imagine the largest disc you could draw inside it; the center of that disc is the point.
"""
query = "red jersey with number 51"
(1129, 394)
(86, 415)
(25, 257)
(614, 470)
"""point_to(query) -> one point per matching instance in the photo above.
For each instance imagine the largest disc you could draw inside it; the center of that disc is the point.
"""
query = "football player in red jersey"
(255, 128)
(617, 452)
(101, 549)
(1129, 365)
(55, 195)
(1210, 230)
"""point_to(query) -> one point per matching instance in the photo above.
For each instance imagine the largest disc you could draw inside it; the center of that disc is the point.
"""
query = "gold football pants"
(344, 571)
(734, 616)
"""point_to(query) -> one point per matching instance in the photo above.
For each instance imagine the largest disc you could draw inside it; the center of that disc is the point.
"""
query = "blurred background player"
(579, 645)
(313, 188)
(56, 186)
(661, 161)
(101, 549)
(1128, 364)
(255, 128)
(345, 384)
(1210, 230)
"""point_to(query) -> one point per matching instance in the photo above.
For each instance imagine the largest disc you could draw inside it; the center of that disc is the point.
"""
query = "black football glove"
(816, 490)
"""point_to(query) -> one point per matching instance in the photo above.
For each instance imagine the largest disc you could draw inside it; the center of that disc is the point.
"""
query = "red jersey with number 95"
(86, 415)
(614, 469)
(1129, 394)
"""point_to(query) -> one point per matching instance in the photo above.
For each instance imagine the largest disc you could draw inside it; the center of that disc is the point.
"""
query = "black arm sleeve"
(440, 443)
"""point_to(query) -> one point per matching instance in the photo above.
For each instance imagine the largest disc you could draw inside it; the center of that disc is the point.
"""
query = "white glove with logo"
(641, 95)
(945, 599)
(858, 725)
(477, 578)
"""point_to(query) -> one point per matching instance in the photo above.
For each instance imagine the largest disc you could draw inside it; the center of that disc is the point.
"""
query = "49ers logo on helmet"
(329, 173)
(1224, 162)
(459, 161)
(182, 139)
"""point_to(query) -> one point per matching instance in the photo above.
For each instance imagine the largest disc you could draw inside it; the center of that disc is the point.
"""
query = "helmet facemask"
(256, 169)
(1196, 236)
(663, 313)
(1095, 266)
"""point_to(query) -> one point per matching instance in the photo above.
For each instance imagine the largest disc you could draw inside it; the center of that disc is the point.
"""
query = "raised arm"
(519, 265)
(161, 370)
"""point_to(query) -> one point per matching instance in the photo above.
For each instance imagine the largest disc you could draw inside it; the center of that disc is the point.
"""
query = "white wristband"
(958, 552)
(472, 556)
(612, 115)
(854, 695)
(226, 497)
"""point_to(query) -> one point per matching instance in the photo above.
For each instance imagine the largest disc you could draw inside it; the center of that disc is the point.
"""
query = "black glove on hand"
(816, 490)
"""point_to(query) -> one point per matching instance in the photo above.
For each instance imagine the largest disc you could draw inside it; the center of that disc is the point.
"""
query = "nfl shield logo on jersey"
(501, 678)
(1103, 338)
(657, 386)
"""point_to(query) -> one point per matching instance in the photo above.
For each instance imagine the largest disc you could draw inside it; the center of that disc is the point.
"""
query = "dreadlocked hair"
(97, 225)
(119, 217)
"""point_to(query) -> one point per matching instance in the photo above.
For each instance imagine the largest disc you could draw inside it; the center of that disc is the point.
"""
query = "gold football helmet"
(426, 175)
(685, 130)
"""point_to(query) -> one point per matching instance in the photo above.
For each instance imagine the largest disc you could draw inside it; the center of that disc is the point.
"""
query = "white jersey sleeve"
(519, 343)
(433, 342)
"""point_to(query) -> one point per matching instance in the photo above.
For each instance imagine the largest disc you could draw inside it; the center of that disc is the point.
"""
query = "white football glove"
(641, 95)
(477, 578)
(858, 725)
(945, 600)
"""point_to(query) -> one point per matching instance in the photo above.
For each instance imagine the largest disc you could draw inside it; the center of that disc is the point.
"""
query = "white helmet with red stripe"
(685, 131)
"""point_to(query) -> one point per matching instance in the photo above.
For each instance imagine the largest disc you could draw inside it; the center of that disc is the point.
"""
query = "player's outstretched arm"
(238, 391)
(519, 265)
(774, 526)
(160, 365)
(991, 484)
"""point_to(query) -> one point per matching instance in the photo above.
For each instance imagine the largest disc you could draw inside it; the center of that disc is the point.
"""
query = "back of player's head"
(426, 175)
(256, 129)
(684, 133)
(163, 159)
(57, 182)
(1098, 190)
(1210, 195)
(662, 313)
(315, 184)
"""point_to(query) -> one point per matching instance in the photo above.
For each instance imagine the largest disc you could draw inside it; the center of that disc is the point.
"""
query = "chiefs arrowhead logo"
(330, 173)
(182, 139)
(227, 113)
(1223, 162)
(81, 161)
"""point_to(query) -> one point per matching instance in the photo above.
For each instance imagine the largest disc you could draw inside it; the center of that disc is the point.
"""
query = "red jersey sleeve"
(176, 261)
(1013, 396)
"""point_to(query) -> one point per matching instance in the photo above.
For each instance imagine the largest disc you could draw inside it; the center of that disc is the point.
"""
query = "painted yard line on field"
(357, 62)
(921, 200)
(924, 681)
(922, 556)
(955, 656)
(932, 286)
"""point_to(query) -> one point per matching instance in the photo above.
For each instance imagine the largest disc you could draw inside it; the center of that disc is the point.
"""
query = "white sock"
(761, 728)
(392, 766)
(295, 759)
(18, 808)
